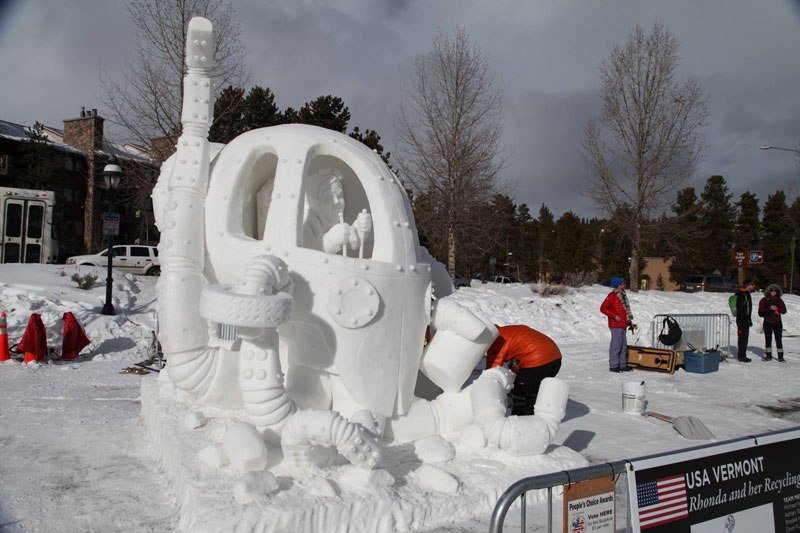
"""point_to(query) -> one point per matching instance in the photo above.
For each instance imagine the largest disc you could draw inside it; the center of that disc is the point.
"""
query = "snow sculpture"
(262, 278)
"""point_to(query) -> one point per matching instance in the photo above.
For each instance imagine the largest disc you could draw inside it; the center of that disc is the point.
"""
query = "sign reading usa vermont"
(744, 486)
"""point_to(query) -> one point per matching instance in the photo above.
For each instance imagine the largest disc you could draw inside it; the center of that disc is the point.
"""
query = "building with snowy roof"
(69, 162)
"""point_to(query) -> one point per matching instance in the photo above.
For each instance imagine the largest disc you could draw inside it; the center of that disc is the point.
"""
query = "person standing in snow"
(770, 308)
(615, 309)
(532, 355)
(744, 310)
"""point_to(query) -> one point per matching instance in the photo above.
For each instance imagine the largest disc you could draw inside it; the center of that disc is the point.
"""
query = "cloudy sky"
(545, 53)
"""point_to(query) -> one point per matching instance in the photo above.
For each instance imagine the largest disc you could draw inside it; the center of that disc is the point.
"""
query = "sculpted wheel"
(220, 305)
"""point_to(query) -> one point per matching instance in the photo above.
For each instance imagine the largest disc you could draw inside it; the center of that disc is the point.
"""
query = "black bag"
(673, 334)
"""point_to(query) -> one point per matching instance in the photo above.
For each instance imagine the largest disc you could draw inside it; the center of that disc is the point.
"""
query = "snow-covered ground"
(71, 444)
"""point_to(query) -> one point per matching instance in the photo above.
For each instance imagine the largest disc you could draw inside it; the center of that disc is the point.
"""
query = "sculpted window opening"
(257, 195)
(337, 216)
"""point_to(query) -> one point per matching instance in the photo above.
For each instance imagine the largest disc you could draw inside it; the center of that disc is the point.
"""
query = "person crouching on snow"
(614, 308)
(532, 355)
(770, 308)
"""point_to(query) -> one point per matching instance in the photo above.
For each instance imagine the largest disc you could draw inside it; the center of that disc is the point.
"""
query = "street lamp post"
(112, 174)
(768, 147)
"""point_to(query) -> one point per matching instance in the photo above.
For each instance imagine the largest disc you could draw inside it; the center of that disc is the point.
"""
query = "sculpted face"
(330, 198)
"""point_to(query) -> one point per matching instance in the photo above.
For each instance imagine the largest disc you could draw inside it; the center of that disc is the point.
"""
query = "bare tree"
(648, 140)
(146, 101)
(449, 131)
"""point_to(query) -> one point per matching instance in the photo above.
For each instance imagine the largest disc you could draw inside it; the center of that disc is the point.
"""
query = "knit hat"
(616, 282)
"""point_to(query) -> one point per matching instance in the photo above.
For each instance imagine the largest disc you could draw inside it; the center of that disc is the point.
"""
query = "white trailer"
(26, 226)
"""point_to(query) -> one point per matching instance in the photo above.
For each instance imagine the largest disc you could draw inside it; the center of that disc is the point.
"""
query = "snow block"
(434, 449)
(245, 448)
(433, 478)
(254, 484)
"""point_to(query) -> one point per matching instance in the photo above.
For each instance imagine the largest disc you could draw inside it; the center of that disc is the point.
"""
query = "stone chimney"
(86, 134)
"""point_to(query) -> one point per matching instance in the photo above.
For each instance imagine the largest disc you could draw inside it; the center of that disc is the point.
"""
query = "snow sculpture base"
(403, 494)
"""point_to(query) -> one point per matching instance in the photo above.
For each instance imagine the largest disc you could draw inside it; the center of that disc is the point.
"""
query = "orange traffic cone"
(34, 340)
(73, 339)
(4, 356)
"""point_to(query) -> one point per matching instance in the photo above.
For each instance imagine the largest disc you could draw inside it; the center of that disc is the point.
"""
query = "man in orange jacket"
(532, 355)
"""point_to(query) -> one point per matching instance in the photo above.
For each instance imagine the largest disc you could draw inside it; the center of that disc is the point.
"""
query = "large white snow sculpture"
(262, 277)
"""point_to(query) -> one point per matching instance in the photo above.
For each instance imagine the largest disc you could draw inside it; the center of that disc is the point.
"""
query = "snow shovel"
(689, 427)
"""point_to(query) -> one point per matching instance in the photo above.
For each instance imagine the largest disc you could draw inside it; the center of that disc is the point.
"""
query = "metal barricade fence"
(566, 477)
(702, 331)
(547, 481)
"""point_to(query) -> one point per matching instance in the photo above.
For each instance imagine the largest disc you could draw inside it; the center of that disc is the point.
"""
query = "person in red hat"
(532, 355)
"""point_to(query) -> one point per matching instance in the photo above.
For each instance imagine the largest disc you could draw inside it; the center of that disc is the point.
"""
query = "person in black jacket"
(744, 310)
(770, 308)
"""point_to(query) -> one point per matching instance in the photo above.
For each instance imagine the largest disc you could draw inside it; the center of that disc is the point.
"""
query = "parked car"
(461, 281)
(135, 258)
(504, 279)
(707, 283)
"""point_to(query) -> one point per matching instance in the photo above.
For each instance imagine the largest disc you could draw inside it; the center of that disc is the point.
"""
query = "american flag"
(662, 501)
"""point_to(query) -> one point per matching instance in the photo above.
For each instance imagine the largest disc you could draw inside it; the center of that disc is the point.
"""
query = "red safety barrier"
(34, 340)
(73, 339)
(4, 355)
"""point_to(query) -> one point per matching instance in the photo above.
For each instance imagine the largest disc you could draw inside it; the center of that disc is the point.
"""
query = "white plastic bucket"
(633, 397)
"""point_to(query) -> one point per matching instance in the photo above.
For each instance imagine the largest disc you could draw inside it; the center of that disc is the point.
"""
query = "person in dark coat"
(614, 308)
(744, 310)
(770, 308)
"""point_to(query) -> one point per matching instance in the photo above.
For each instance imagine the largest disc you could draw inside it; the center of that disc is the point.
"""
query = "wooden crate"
(655, 359)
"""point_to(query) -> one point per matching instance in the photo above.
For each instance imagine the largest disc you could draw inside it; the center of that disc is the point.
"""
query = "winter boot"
(780, 357)
(768, 356)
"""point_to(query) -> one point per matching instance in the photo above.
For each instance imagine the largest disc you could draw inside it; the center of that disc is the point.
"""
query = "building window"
(3, 164)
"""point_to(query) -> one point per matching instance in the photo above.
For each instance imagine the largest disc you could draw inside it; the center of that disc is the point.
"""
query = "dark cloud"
(545, 54)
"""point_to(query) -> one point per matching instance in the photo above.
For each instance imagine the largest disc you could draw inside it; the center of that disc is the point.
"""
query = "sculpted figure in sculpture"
(255, 240)
(324, 227)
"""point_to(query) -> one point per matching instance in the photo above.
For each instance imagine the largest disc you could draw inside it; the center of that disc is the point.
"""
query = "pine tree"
(794, 216)
(528, 237)
(684, 249)
(504, 237)
(716, 224)
(545, 243)
(228, 120)
(260, 110)
(566, 243)
(373, 141)
(777, 231)
(326, 112)
(39, 163)
(747, 230)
